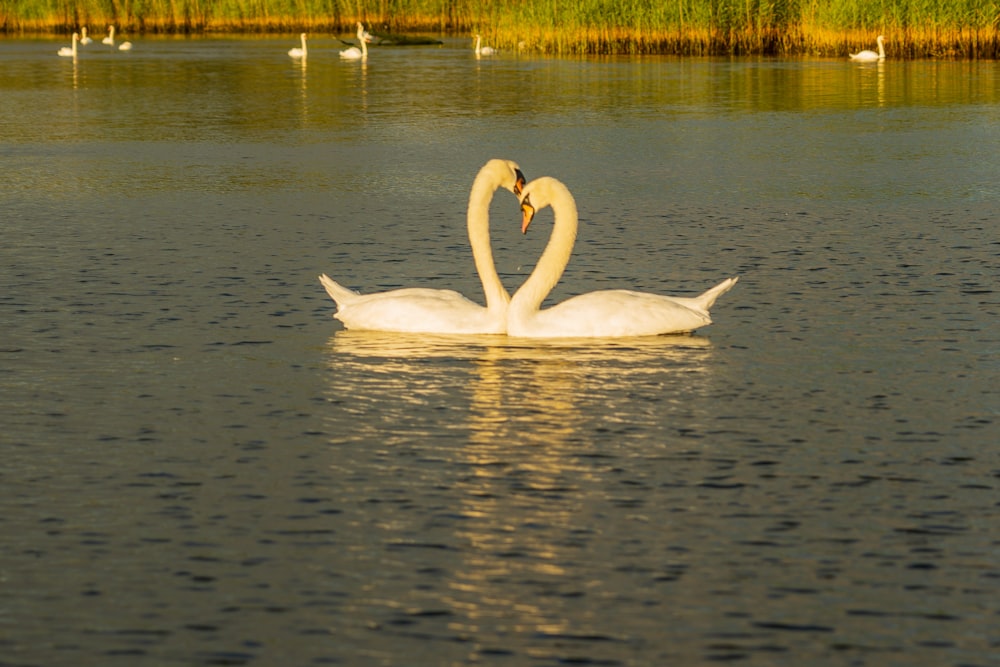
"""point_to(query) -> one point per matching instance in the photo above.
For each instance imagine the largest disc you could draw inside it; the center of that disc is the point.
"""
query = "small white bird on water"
(868, 55)
(483, 50)
(70, 51)
(299, 52)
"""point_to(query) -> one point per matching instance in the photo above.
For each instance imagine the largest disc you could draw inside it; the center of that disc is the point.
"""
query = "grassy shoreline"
(913, 28)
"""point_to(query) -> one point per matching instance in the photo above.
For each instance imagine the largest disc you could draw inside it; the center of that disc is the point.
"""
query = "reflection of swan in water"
(354, 53)
(438, 310)
(70, 51)
(520, 394)
(509, 448)
(299, 52)
(409, 347)
(605, 313)
(868, 55)
(483, 50)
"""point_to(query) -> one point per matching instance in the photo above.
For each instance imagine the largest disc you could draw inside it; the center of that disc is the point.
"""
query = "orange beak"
(527, 215)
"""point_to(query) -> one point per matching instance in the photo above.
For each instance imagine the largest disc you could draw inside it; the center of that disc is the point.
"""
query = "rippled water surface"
(201, 467)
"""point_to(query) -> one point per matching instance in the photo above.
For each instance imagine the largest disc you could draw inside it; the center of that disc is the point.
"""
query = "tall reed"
(913, 28)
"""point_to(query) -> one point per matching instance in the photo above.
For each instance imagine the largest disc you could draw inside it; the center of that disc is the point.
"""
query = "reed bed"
(913, 28)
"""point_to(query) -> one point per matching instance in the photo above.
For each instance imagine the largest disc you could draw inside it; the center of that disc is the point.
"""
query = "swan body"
(70, 51)
(298, 52)
(125, 46)
(84, 39)
(110, 39)
(601, 314)
(354, 53)
(439, 311)
(483, 50)
(868, 55)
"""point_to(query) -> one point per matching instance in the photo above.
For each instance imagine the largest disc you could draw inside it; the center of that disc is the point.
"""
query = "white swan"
(84, 39)
(110, 39)
(868, 56)
(299, 52)
(606, 313)
(354, 53)
(70, 51)
(484, 50)
(125, 46)
(439, 311)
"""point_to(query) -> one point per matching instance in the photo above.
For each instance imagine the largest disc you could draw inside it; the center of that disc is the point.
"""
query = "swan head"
(542, 192)
(519, 181)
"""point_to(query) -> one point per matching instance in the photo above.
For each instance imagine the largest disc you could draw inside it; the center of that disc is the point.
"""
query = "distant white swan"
(299, 52)
(440, 311)
(70, 51)
(84, 39)
(606, 313)
(354, 53)
(110, 39)
(125, 46)
(484, 50)
(867, 55)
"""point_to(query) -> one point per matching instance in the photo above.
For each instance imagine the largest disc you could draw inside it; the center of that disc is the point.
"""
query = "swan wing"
(417, 310)
(411, 310)
(610, 314)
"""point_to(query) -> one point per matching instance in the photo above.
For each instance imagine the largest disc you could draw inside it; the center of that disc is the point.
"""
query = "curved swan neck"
(361, 38)
(544, 192)
(881, 48)
(492, 176)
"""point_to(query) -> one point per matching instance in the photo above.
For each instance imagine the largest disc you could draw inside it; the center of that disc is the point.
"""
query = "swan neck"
(478, 223)
(361, 38)
(552, 263)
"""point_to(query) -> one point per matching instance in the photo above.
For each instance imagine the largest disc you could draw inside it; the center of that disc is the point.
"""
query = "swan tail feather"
(340, 294)
(707, 299)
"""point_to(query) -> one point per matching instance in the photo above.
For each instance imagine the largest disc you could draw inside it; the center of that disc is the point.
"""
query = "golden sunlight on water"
(523, 414)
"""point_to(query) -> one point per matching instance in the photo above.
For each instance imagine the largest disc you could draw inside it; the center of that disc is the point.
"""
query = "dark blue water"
(202, 467)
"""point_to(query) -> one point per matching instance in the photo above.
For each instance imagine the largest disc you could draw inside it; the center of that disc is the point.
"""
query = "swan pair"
(868, 55)
(354, 53)
(110, 40)
(601, 314)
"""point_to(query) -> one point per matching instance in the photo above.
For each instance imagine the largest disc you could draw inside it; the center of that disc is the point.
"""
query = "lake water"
(201, 467)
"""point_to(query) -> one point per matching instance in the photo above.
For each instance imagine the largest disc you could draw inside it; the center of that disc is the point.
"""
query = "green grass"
(913, 28)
